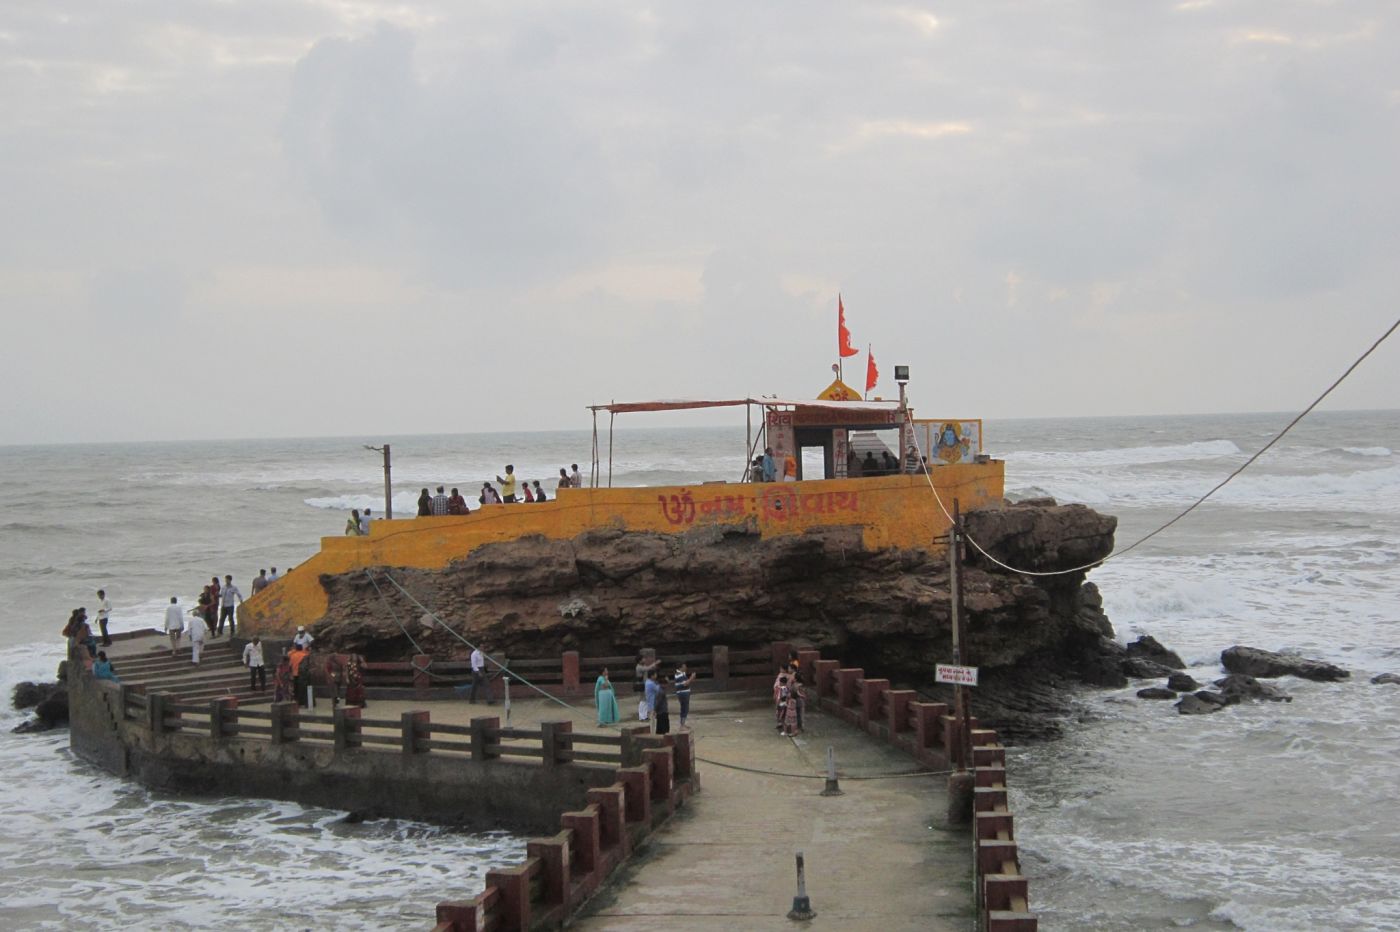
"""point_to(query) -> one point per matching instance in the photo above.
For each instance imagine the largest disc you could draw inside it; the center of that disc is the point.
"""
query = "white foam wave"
(1128, 456)
(1367, 451)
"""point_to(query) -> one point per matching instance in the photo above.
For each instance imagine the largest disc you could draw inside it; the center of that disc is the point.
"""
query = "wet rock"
(1148, 648)
(1240, 686)
(1144, 669)
(881, 608)
(1256, 662)
(1386, 678)
(1192, 704)
(50, 712)
(28, 695)
(1182, 683)
(1206, 695)
(1156, 692)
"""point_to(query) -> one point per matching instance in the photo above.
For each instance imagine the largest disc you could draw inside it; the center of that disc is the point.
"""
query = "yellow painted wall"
(896, 511)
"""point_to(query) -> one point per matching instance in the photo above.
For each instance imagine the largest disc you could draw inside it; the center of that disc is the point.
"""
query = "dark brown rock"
(1182, 683)
(1144, 669)
(1256, 662)
(609, 591)
(1194, 705)
(1240, 686)
(1156, 692)
(28, 695)
(1148, 647)
(1386, 678)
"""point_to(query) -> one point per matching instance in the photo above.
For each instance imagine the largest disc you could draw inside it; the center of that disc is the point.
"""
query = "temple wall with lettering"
(896, 511)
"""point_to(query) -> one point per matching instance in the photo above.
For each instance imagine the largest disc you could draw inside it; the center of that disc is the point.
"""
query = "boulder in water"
(1265, 663)
(1182, 683)
(1192, 704)
(1148, 648)
(1206, 695)
(1144, 669)
(1156, 692)
(1386, 678)
(28, 695)
(1240, 686)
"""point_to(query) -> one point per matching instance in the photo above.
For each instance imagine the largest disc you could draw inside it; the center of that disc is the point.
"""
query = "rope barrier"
(1190, 508)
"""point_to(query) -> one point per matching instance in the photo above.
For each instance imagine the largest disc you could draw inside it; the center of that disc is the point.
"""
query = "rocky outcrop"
(1148, 648)
(608, 591)
(1240, 686)
(50, 709)
(1255, 662)
(1386, 678)
(1182, 683)
(1156, 692)
(1194, 704)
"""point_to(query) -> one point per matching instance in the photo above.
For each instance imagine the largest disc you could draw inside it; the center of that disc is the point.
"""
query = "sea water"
(1270, 817)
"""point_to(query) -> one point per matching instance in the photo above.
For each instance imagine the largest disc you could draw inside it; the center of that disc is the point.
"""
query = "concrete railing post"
(612, 815)
(553, 854)
(659, 762)
(223, 715)
(898, 701)
(284, 722)
(585, 827)
(486, 738)
(871, 695)
(347, 728)
(632, 744)
(824, 671)
(685, 755)
(556, 738)
(807, 664)
(155, 713)
(719, 666)
(514, 884)
(415, 729)
(636, 781)
(422, 682)
(571, 673)
(846, 678)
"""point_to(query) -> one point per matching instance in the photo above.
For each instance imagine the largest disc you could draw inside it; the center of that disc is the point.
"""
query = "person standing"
(104, 610)
(683, 678)
(478, 662)
(272, 575)
(770, 467)
(260, 583)
(789, 468)
(282, 678)
(354, 682)
(230, 596)
(301, 672)
(508, 484)
(640, 684)
(253, 660)
(425, 504)
(575, 478)
(198, 631)
(365, 519)
(352, 523)
(303, 638)
(649, 692)
(174, 623)
(605, 699)
(564, 481)
(539, 492)
(661, 712)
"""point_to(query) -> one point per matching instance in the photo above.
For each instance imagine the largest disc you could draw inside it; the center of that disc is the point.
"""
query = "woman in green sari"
(605, 699)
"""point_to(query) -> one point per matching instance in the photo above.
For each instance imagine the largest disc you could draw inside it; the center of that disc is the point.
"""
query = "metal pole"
(748, 440)
(903, 440)
(801, 904)
(612, 416)
(388, 486)
(833, 788)
(955, 597)
(506, 680)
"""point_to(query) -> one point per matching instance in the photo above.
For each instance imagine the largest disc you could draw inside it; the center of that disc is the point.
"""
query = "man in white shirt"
(253, 660)
(365, 519)
(174, 623)
(575, 480)
(302, 639)
(272, 576)
(198, 632)
(479, 674)
(227, 594)
(104, 609)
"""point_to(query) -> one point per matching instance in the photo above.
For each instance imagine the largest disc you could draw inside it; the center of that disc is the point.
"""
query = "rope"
(822, 776)
(1190, 508)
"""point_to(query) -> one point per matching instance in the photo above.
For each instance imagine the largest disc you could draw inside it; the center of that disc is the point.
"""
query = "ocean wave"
(1129, 456)
(1367, 451)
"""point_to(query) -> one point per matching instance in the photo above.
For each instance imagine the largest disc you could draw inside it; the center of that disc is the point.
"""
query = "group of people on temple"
(512, 490)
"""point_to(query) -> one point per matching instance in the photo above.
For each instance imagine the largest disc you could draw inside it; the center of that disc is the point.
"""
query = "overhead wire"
(1190, 508)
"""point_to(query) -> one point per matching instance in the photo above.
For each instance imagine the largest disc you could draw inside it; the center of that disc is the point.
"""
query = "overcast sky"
(310, 217)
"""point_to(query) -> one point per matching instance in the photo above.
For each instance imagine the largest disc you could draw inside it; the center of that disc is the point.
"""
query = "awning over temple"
(853, 407)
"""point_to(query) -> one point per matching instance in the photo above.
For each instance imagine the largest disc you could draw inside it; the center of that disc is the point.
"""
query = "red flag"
(872, 374)
(843, 336)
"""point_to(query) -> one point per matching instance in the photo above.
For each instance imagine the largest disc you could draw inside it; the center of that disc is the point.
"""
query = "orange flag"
(872, 374)
(843, 336)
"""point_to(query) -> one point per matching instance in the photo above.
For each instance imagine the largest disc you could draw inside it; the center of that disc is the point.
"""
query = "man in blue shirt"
(770, 468)
(651, 690)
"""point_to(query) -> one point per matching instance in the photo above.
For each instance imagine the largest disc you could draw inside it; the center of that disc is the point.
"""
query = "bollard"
(506, 681)
(801, 904)
(832, 787)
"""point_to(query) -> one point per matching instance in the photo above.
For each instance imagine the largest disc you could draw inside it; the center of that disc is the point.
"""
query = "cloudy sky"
(306, 217)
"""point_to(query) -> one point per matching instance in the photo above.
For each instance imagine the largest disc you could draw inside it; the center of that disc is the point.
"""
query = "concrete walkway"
(878, 858)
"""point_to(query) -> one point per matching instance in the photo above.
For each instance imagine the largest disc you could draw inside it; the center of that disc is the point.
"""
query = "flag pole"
(840, 362)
